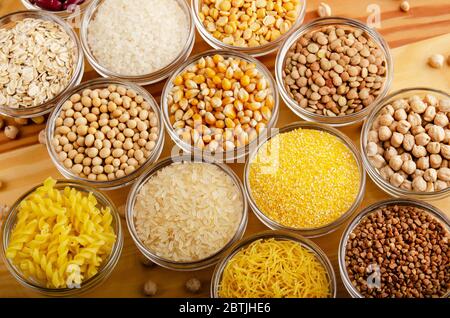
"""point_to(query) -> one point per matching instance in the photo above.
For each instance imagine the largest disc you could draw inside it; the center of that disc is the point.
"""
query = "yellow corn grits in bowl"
(305, 179)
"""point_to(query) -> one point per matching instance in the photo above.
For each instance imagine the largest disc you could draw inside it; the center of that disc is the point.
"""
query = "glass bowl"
(436, 213)
(104, 271)
(65, 14)
(279, 235)
(226, 156)
(372, 171)
(110, 184)
(9, 21)
(173, 265)
(253, 51)
(146, 79)
(337, 121)
(308, 232)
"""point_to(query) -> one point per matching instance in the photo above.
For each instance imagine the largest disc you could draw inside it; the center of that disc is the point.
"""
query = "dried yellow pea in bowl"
(62, 238)
(255, 27)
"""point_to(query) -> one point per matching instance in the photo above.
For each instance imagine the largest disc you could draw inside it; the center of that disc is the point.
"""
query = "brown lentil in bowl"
(397, 248)
(332, 70)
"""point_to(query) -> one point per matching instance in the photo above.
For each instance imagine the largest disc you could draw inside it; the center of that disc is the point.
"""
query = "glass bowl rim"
(63, 13)
(237, 152)
(148, 78)
(257, 51)
(47, 106)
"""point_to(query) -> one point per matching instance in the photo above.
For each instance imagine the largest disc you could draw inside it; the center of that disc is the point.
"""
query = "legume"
(436, 61)
(409, 247)
(405, 6)
(105, 134)
(187, 211)
(220, 103)
(409, 143)
(324, 10)
(248, 23)
(334, 71)
(138, 37)
(304, 178)
(274, 268)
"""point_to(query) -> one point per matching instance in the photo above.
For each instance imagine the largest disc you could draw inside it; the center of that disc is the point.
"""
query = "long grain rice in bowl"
(184, 213)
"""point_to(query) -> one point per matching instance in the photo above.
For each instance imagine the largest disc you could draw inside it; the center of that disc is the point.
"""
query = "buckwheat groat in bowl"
(141, 41)
(333, 71)
(255, 27)
(396, 249)
(105, 132)
(40, 59)
(185, 212)
(406, 144)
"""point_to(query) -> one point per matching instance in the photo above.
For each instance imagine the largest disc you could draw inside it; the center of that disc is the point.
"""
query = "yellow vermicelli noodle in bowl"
(272, 268)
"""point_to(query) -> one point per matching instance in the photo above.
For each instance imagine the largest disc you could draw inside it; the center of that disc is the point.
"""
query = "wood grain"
(24, 163)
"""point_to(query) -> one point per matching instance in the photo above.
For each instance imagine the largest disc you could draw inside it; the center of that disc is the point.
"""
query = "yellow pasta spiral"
(61, 237)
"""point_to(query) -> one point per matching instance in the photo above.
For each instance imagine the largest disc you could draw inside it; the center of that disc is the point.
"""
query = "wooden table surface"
(24, 163)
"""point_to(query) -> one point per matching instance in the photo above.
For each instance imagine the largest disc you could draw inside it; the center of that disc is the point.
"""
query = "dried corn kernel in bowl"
(248, 23)
(304, 179)
(221, 102)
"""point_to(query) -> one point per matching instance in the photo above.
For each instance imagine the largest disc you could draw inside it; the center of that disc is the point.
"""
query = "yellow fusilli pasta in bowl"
(62, 238)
